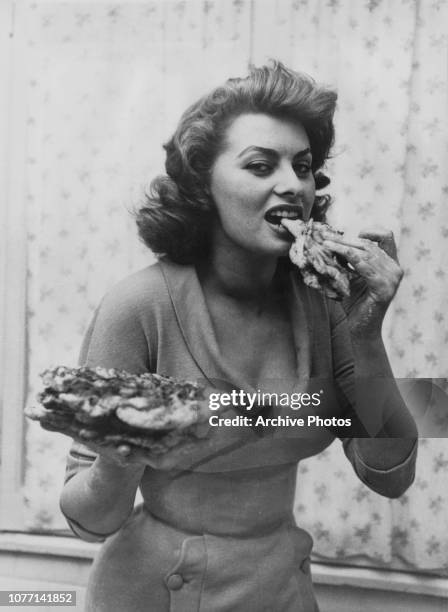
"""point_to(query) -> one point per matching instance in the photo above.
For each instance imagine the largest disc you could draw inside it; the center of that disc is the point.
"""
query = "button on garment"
(306, 565)
(174, 582)
(214, 573)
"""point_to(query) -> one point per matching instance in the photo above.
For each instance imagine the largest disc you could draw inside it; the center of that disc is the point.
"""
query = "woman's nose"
(288, 183)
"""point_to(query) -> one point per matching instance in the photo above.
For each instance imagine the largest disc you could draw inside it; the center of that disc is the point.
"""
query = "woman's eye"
(302, 169)
(259, 168)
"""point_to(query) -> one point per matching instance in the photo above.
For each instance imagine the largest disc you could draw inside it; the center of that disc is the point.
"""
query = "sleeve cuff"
(391, 482)
(85, 534)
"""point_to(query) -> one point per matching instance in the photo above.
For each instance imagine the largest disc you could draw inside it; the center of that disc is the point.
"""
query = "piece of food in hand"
(148, 412)
(320, 268)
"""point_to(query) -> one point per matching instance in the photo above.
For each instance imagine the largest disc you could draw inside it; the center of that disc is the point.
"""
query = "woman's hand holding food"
(121, 456)
(373, 257)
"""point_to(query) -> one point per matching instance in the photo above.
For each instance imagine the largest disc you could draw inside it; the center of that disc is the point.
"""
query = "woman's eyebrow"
(271, 152)
(303, 153)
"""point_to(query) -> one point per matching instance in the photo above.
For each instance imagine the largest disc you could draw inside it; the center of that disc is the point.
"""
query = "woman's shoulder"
(135, 292)
(146, 280)
(145, 289)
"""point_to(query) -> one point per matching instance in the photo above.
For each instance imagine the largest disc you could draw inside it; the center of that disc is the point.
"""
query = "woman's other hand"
(121, 455)
(373, 256)
(128, 457)
(125, 456)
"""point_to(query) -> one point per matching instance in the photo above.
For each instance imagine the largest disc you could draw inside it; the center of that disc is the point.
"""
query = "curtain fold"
(108, 84)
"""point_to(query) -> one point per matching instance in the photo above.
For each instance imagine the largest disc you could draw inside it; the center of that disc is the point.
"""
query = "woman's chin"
(275, 248)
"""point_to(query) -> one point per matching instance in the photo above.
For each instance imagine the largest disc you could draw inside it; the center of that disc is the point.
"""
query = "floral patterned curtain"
(106, 84)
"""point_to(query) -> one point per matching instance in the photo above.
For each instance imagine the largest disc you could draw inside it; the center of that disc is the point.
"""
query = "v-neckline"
(195, 323)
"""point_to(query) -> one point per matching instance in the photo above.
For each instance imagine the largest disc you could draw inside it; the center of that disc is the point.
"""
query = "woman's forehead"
(265, 131)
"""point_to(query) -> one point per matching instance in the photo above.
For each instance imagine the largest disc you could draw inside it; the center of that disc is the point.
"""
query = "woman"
(215, 531)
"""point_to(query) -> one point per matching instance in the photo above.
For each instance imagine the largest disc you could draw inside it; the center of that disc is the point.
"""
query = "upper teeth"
(284, 213)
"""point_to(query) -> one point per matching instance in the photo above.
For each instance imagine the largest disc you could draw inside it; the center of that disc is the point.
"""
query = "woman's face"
(262, 175)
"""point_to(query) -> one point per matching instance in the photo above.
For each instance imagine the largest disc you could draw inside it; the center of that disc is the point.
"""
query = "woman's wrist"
(101, 498)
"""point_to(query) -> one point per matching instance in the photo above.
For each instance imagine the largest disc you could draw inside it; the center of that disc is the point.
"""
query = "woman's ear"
(321, 202)
(321, 180)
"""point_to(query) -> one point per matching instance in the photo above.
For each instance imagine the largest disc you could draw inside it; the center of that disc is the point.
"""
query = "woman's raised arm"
(386, 460)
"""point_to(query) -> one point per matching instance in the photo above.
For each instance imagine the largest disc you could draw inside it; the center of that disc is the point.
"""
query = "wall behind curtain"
(106, 83)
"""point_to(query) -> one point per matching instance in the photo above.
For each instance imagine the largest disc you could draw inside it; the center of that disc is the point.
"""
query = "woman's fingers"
(124, 450)
(381, 273)
(380, 236)
(369, 256)
(353, 254)
(383, 237)
(350, 241)
(121, 454)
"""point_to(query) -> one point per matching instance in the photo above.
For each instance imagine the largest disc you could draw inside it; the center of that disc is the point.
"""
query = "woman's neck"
(234, 272)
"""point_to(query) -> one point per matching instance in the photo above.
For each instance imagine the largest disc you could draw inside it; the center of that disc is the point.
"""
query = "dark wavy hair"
(176, 216)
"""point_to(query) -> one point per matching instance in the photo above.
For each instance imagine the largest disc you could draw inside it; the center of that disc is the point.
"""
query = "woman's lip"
(292, 212)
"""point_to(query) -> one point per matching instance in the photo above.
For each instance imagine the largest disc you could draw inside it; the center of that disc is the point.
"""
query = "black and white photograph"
(224, 305)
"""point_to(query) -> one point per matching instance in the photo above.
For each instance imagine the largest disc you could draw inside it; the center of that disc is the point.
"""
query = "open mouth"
(275, 214)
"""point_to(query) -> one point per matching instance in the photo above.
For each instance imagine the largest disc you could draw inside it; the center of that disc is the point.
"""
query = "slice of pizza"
(111, 407)
(320, 268)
